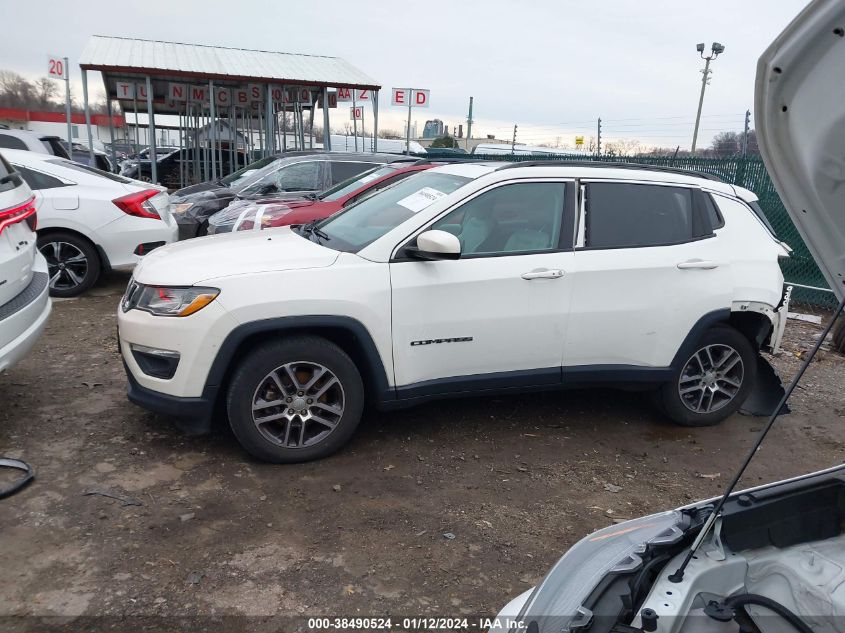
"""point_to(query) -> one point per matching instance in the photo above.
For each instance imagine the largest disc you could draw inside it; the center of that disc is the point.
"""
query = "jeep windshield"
(366, 221)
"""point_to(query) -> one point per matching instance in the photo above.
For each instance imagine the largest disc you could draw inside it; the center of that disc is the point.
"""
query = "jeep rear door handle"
(543, 273)
(698, 263)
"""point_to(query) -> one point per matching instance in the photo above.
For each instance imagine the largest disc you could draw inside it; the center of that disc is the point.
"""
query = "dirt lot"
(446, 509)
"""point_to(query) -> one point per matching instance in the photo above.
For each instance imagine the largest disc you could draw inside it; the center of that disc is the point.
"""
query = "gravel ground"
(447, 509)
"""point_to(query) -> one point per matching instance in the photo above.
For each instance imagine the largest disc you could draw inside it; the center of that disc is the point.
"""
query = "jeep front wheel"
(295, 400)
(713, 382)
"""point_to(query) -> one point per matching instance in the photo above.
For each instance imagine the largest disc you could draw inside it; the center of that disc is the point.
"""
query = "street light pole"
(716, 49)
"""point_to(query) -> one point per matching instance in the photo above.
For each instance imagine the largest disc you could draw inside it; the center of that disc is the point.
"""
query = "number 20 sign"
(56, 67)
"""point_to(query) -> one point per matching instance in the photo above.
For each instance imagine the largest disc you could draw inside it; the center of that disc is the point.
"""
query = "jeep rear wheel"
(713, 382)
(295, 400)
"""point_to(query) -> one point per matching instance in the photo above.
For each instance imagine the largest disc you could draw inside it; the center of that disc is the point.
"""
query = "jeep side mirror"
(434, 245)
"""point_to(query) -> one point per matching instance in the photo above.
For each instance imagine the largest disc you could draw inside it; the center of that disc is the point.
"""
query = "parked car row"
(294, 175)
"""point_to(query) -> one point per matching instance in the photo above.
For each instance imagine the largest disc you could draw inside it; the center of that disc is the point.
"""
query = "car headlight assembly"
(168, 301)
(556, 604)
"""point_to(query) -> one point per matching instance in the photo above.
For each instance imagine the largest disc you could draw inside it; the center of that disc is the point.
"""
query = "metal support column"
(268, 120)
(68, 116)
(327, 138)
(375, 121)
(354, 120)
(311, 123)
(211, 129)
(111, 132)
(151, 131)
(87, 119)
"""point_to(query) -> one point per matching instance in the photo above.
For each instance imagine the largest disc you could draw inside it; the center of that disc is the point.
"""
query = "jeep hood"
(206, 258)
(799, 109)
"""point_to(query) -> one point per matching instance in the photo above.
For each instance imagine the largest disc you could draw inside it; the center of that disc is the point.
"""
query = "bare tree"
(15, 91)
(388, 133)
(624, 147)
(45, 92)
(727, 143)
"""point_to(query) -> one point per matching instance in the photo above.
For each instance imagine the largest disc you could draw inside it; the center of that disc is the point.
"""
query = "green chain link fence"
(749, 173)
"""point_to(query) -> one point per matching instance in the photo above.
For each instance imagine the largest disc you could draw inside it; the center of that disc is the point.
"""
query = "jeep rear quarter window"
(623, 215)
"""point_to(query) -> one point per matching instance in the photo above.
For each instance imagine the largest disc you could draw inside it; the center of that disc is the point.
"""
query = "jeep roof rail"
(609, 165)
(444, 161)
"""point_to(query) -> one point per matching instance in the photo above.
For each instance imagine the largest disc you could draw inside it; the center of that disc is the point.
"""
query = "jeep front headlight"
(168, 300)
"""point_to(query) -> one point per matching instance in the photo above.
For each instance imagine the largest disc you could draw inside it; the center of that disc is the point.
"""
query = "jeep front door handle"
(698, 263)
(543, 273)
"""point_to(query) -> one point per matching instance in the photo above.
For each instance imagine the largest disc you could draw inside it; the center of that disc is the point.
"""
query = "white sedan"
(91, 221)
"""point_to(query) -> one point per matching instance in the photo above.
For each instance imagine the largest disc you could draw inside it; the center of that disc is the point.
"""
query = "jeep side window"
(624, 215)
(514, 218)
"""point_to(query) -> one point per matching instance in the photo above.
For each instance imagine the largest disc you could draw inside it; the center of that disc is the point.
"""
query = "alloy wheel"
(298, 404)
(66, 265)
(711, 378)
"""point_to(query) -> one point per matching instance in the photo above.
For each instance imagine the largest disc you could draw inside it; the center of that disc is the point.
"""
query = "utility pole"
(598, 138)
(67, 109)
(469, 125)
(513, 144)
(715, 49)
(745, 133)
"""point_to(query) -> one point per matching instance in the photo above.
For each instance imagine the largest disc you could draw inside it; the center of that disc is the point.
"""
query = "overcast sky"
(550, 66)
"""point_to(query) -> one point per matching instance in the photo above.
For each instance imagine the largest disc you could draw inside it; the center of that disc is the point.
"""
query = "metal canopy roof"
(120, 57)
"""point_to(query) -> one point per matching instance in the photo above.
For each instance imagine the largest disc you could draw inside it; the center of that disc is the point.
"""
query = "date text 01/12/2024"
(414, 623)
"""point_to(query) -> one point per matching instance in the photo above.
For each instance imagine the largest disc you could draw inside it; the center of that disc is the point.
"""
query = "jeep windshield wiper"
(311, 230)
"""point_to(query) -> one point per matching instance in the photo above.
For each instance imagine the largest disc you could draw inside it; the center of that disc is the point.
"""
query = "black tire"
(252, 375)
(680, 408)
(70, 247)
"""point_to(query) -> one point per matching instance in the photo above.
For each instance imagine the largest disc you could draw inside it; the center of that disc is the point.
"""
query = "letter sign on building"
(410, 97)
(419, 98)
(241, 97)
(125, 90)
(254, 92)
(197, 94)
(344, 94)
(177, 92)
(400, 96)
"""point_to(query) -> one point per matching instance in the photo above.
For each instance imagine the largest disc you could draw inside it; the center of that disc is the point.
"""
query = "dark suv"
(168, 168)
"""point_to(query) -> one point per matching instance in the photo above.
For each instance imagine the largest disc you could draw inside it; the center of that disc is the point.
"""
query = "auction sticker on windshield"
(419, 200)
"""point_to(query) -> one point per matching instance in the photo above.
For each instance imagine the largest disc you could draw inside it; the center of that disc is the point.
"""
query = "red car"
(249, 215)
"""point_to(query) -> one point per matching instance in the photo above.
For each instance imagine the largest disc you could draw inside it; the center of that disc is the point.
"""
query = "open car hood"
(799, 109)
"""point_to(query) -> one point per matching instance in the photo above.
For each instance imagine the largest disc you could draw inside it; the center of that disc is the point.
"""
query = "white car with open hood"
(465, 278)
(772, 558)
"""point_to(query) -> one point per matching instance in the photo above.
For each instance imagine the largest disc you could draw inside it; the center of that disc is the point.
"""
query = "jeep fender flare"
(356, 341)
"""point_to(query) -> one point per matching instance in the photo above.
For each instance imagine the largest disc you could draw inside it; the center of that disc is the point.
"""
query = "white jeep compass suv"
(467, 278)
